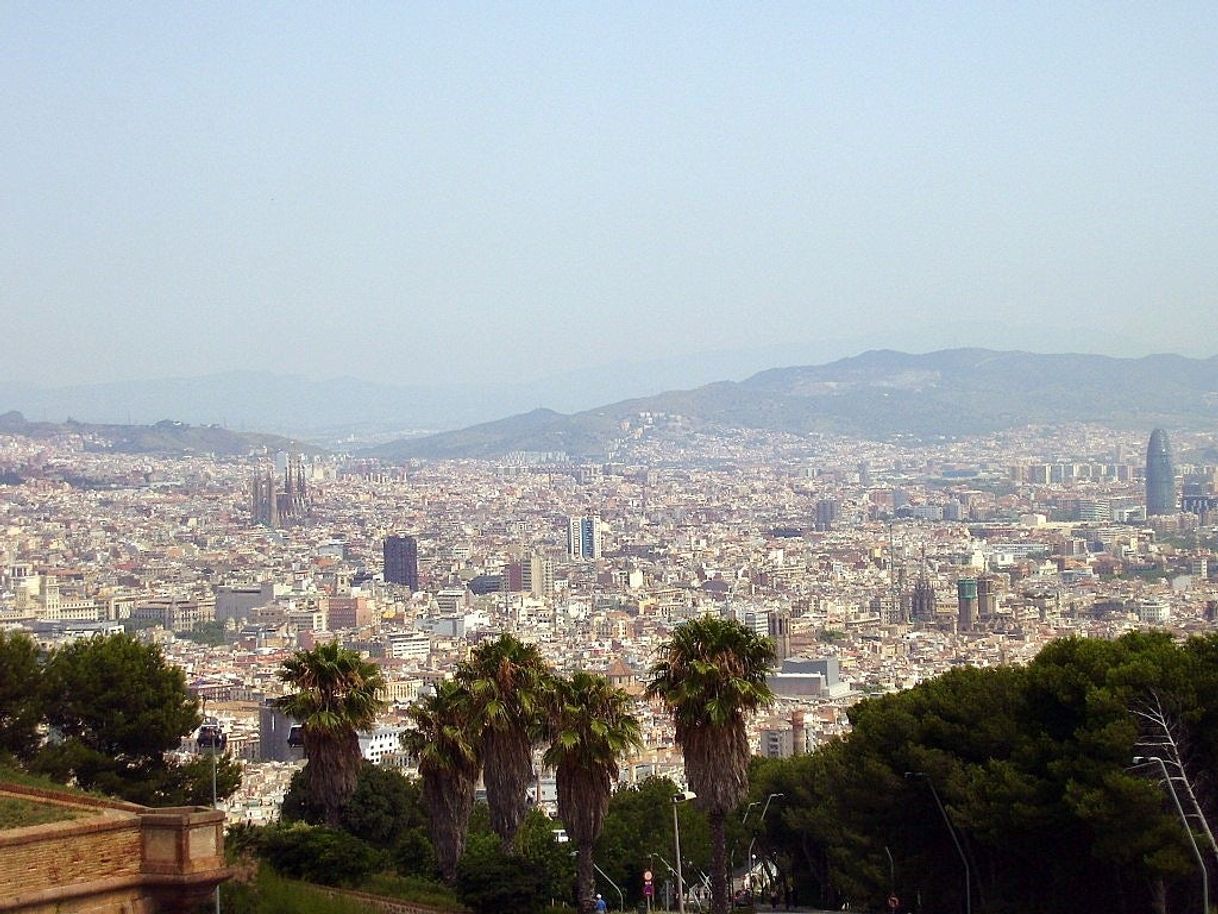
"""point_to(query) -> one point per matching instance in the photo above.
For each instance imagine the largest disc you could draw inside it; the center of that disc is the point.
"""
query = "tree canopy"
(1034, 767)
(20, 697)
(115, 709)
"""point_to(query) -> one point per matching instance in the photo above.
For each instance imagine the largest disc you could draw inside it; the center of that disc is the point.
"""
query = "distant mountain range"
(345, 412)
(166, 437)
(878, 394)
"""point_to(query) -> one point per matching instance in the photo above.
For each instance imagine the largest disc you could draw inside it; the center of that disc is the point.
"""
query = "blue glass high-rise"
(1160, 475)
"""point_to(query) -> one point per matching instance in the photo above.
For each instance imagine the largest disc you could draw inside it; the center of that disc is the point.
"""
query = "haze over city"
(526, 459)
(493, 193)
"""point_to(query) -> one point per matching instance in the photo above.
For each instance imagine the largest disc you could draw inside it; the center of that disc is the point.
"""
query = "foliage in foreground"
(490, 881)
(19, 813)
(316, 853)
(1034, 767)
(114, 709)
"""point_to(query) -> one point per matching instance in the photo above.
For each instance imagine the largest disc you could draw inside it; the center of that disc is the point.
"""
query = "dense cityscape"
(560, 458)
(871, 566)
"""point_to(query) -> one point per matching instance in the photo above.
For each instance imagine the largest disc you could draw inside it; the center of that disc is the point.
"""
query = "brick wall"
(101, 846)
(114, 858)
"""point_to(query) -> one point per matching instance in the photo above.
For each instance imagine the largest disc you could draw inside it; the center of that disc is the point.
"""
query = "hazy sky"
(430, 192)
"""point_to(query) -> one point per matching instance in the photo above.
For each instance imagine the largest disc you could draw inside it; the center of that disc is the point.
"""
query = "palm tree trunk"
(507, 771)
(585, 880)
(718, 873)
(449, 799)
(331, 771)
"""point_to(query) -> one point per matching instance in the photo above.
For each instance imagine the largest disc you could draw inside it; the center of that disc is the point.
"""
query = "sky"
(483, 193)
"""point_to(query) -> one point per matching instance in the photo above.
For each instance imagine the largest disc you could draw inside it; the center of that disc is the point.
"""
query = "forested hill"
(166, 437)
(877, 395)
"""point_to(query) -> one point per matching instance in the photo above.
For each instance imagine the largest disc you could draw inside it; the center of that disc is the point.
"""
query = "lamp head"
(684, 796)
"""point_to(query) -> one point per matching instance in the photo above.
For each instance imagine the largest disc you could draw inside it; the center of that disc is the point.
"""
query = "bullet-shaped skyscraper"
(1160, 475)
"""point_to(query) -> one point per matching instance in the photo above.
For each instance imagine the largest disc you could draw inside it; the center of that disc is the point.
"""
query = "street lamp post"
(731, 866)
(760, 825)
(620, 897)
(1171, 788)
(968, 877)
(766, 808)
(677, 800)
(667, 882)
(215, 739)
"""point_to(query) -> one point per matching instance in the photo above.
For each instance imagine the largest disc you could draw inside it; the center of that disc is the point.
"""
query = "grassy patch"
(270, 893)
(413, 888)
(13, 775)
(18, 813)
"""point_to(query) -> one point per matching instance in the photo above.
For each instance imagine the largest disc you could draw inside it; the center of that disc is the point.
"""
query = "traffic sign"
(893, 902)
(647, 876)
(648, 889)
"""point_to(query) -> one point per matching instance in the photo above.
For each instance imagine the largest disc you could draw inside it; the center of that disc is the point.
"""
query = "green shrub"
(316, 854)
(491, 882)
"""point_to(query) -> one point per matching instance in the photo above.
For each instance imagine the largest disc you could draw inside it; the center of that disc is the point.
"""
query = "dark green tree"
(637, 836)
(21, 696)
(1033, 766)
(711, 677)
(592, 727)
(336, 694)
(116, 708)
(384, 806)
(493, 881)
(537, 844)
(210, 633)
(329, 856)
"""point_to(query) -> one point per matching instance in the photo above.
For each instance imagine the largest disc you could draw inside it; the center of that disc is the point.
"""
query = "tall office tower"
(1160, 475)
(533, 575)
(402, 560)
(757, 621)
(826, 514)
(584, 538)
(864, 469)
(966, 592)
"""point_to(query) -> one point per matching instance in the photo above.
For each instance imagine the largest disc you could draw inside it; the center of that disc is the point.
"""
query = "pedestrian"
(601, 907)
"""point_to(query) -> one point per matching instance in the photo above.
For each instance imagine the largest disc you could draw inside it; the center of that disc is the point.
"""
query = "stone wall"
(113, 858)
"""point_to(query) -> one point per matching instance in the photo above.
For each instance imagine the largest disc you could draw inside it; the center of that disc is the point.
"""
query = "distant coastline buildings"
(1160, 475)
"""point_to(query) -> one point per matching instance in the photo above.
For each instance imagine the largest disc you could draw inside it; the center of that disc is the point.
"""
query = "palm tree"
(592, 728)
(449, 754)
(507, 681)
(711, 676)
(337, 694)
